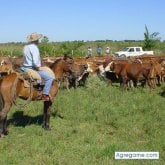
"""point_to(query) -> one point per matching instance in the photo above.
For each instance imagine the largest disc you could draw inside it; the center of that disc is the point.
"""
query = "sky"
(69, 20)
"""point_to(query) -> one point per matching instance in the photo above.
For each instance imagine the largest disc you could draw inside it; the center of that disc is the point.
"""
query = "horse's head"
(61, 67)
(69, 63)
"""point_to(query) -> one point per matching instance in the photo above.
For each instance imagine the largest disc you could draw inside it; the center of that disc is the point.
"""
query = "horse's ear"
(113, 64)
(67, 57)
(64, 57)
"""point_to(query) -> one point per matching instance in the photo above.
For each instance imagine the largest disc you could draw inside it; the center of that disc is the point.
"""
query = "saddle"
(32, 76)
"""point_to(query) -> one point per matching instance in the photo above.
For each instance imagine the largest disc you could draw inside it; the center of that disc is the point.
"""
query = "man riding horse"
(32, 60)
(14, 85)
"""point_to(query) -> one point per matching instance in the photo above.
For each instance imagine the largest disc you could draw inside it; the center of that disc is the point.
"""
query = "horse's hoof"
(47, 128)
(2, 135)
(6, 132)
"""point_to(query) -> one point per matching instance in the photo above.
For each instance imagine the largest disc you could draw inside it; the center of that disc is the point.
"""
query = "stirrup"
(39, 86)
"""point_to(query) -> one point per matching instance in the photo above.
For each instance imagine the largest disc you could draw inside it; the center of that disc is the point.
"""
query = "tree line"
(151, 41)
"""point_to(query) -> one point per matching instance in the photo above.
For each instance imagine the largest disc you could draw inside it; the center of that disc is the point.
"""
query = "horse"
(13, 86)
(74, 77)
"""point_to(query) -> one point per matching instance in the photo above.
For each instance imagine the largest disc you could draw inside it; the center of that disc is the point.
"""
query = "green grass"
(98, 120)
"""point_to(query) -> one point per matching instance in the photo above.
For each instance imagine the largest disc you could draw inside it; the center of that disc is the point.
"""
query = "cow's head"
(110, 67)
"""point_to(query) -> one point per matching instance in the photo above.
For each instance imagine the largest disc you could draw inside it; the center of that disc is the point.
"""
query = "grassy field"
(97, 121)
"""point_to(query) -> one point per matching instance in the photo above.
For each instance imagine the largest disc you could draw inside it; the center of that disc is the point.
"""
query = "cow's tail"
(151, 73)
(152, 77)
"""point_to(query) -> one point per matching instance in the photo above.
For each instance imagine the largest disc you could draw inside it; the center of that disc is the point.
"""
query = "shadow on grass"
(21, 120)
(162, 94)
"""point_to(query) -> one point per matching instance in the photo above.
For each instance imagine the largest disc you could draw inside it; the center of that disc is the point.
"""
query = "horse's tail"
(1, 99)
(14, 90)
(11, 92)
(1, 103)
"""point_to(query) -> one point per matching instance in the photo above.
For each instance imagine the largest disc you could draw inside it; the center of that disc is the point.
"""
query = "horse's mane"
(55, 62)
(65, 58)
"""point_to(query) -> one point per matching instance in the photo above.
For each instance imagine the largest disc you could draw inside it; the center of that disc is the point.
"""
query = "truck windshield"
(125, 49)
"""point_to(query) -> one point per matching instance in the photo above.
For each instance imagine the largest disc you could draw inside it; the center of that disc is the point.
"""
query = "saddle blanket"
(35, 76)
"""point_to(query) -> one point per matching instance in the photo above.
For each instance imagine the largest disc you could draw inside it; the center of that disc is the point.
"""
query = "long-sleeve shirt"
(31, 56)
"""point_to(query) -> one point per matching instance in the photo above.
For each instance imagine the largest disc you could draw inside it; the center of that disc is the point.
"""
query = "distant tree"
(46, 48)
(45, 39)
(150, 40)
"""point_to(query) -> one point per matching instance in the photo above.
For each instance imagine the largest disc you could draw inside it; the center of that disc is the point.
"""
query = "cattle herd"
(73, 72)
(145, 70)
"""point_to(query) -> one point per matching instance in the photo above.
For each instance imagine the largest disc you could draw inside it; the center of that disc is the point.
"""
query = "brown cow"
(108, 75)
(131, 71)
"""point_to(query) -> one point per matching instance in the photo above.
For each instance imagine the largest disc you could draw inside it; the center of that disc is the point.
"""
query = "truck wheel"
(123, 56)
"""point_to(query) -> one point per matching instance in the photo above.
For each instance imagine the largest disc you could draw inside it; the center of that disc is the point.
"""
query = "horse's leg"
(3, 120)
(5, 126)
(46, 115)
(47, 105)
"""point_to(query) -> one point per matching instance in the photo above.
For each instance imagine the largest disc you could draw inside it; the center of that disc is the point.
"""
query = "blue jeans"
(48, 80)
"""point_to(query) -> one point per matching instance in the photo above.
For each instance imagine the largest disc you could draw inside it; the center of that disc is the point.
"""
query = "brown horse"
(76, 74)
(13, 86)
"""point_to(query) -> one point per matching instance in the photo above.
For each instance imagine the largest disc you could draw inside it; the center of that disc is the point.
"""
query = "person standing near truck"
(107, 51)
(89, 52)
(99, 50)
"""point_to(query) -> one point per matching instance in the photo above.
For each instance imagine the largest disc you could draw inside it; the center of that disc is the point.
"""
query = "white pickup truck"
(132, 51)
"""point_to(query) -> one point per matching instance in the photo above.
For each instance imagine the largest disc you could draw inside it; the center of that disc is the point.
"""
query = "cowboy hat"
(34, 37)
